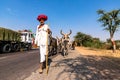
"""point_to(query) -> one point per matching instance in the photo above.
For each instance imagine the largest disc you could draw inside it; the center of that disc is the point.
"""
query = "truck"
(11, 40)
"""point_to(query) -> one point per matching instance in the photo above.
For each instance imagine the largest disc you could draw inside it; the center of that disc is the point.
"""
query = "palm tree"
(111, 22)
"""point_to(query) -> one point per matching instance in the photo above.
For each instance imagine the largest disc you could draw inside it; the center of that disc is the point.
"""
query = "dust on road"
(77, 66)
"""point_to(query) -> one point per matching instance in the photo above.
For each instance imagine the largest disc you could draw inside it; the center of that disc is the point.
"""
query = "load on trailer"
(15, 40)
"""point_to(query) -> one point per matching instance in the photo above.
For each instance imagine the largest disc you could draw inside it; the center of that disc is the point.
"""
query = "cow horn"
(61, 32)
(70, 32)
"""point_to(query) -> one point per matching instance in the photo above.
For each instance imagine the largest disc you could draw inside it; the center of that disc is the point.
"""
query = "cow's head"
(59, 40)
(65, 36)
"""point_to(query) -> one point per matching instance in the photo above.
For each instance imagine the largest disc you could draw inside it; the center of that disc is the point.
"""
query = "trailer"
(11, 40)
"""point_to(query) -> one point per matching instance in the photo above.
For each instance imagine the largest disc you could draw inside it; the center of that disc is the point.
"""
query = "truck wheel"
(29, 47)
(16, 47)
(6, 48)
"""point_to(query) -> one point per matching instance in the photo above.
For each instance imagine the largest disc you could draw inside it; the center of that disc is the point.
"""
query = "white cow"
(65, 42)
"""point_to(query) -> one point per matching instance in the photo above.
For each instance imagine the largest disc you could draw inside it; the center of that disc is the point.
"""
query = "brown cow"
(52, 45)
(59, 44)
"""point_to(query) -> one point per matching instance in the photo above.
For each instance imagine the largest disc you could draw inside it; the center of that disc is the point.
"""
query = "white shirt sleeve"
(46, 27)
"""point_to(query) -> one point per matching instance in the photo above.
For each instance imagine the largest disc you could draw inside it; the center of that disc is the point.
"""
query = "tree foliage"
(110, 20)
(87, 40)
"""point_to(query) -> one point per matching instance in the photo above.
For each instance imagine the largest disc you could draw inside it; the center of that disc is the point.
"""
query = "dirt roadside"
(81, 64)
(98, 52)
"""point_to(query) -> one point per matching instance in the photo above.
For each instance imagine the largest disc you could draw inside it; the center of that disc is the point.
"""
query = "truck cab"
(27, 38)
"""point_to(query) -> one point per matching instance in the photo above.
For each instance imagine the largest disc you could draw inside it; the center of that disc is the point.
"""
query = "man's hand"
(48, 31)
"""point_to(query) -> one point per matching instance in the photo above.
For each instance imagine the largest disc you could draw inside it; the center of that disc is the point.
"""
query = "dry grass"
(98, 52)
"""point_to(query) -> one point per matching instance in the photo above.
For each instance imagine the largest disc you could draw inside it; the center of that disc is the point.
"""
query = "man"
(41, 38)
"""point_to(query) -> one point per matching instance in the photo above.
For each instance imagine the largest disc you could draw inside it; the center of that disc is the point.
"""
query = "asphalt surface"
(18, 65)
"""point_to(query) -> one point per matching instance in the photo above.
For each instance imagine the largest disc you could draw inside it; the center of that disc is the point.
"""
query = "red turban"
(42, 16)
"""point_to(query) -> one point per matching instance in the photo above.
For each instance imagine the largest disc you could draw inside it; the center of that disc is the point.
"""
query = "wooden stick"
(47, 55)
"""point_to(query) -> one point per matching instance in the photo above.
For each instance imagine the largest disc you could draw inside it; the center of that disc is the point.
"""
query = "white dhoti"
(41, 39)
(42, 53)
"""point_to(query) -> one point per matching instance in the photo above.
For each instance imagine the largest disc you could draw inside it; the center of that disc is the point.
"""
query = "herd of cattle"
(61, 45)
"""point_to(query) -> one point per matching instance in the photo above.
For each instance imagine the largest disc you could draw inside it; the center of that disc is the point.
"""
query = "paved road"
(17, 66)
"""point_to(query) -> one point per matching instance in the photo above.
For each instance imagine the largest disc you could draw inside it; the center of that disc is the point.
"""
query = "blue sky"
(78, 15)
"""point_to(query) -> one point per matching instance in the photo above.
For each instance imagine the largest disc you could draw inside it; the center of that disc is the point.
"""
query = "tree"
(79, 38)
(111, 22)
(86, 40)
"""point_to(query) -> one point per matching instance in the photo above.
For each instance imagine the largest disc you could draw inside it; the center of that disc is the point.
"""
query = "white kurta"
(40, 40)
(41, 35)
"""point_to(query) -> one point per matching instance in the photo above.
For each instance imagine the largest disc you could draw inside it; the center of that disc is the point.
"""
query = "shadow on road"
(90, 68)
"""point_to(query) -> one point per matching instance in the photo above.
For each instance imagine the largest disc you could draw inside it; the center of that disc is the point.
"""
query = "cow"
(73, 45)
(59, 44)
(65, 42)
(52, 47)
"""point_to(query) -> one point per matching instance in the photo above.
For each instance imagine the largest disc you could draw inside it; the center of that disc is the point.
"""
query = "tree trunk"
(114, 45)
